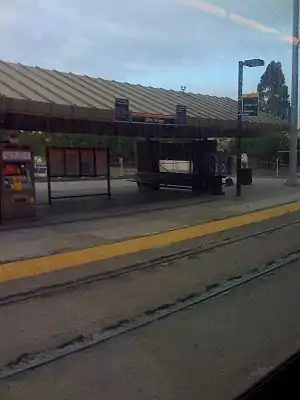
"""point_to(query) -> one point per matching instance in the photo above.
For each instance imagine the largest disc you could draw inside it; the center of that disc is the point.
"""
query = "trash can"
(216, 185)
(245, 176)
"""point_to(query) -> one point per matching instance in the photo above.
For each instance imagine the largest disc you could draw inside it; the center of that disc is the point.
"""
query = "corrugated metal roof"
(42, 91)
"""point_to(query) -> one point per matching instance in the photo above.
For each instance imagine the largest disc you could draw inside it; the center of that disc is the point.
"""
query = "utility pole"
(292, 180)
(253, 63)
(240, 128)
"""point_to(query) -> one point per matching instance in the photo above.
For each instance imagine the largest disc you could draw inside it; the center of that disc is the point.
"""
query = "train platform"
(202, 322)
(191, 280)
(130, 215)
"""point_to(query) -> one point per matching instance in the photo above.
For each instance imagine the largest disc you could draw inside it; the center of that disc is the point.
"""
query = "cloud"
(74, 49)
(154, 41)
(207, 7)
(252, 24)
(239, 19)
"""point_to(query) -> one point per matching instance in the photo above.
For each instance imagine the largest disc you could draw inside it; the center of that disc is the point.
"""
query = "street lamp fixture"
(253, 63)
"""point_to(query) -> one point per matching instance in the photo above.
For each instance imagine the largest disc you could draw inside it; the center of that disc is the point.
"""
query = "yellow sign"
(17, 183)
(251, 95)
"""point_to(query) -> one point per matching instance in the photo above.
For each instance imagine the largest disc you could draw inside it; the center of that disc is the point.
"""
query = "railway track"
(163, 261)
(27, 362)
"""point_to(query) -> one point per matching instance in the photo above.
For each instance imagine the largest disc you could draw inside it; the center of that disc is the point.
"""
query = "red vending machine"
(17, 188)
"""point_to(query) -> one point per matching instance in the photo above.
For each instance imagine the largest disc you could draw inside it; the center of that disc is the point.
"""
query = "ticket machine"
(17, 189)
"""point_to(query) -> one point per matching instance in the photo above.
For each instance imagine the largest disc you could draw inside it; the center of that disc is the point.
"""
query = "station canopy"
(32, 98)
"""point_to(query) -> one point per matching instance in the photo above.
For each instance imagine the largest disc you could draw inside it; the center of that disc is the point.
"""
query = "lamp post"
(292, 180)
(256, 62)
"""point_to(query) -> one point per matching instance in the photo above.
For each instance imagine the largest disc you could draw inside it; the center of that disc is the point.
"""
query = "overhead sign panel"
(123, 114)
(250, 104)
(153, 118)
(122, 110)
(181, 114)
(16, 155)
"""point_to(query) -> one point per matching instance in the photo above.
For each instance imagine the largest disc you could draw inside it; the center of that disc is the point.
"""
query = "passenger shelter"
(36, 99)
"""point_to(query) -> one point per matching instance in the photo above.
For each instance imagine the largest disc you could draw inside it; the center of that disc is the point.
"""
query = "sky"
(160, 43)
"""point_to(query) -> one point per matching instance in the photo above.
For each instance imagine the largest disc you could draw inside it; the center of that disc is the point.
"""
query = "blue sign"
(220, 167)
(181, 115)
(250, 105)
(122, 110)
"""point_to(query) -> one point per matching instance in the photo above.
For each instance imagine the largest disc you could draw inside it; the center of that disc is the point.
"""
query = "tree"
(274, 100)
(273, 92)
(119, 146)
(264, 147)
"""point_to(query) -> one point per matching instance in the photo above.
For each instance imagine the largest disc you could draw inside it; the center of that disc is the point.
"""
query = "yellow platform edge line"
(41, 265)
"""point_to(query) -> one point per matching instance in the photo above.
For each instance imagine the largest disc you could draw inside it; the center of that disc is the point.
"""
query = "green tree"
(119, 146)
(36, 140)
(274, 100)
(265, 146)
(273, 92)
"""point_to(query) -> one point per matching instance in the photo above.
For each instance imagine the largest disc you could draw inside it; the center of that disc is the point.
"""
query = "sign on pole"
(122, 110)
(250, 104)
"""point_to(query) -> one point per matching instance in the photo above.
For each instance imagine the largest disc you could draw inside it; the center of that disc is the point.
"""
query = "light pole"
(256, 62)
(292, 180)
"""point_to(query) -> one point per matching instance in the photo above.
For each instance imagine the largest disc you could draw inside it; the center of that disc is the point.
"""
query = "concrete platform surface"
(49, 321)
(212, 351)
(139, 216)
